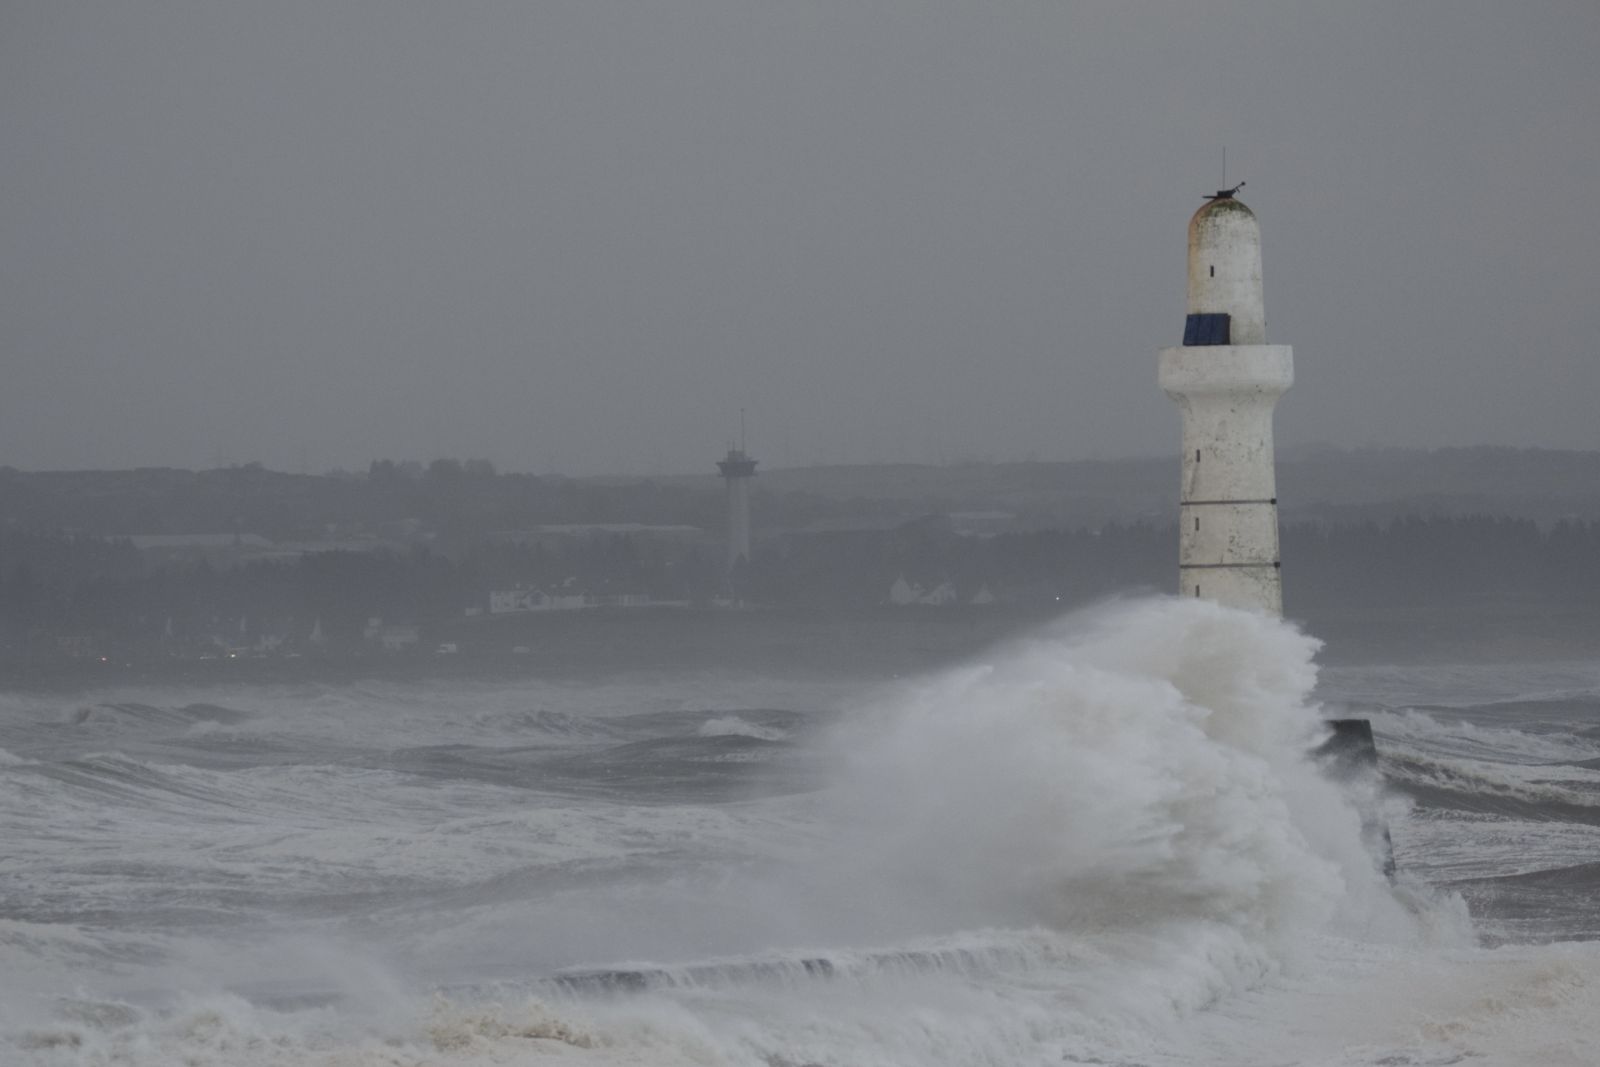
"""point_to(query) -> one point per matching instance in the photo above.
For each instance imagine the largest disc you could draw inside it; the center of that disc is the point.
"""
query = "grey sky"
(580, 236)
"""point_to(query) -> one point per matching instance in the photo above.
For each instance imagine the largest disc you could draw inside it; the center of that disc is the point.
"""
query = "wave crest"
(1140, 765)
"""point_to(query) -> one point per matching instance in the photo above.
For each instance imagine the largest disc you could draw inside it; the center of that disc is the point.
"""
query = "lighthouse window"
(1197, 455)
(1213, 270)
(1207, 328)
(1197, 590)
(1197, 524)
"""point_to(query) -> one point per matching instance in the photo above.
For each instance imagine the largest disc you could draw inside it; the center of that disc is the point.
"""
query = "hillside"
(1322, 484)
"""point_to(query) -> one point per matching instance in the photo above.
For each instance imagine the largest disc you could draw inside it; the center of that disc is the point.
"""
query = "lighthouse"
(1226, 379)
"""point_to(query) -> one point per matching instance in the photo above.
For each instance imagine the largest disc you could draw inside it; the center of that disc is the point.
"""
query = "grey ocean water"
(1099, 841)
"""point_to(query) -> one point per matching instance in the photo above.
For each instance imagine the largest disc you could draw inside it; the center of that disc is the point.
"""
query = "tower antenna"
(741, 429)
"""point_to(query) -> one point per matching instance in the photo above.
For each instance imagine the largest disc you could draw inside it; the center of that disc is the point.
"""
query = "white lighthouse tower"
(1226, 380)
(737, 470)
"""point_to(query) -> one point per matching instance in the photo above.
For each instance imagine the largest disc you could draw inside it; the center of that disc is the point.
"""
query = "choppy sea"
(1103, 842)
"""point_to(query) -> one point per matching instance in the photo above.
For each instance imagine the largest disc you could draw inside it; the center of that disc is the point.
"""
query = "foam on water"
(734, 726)
(1465, 739)
(1105, 843)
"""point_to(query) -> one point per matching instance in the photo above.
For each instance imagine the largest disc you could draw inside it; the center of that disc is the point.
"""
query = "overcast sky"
(580, 236)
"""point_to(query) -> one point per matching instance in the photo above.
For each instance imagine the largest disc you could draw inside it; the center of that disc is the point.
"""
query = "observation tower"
(737, 470)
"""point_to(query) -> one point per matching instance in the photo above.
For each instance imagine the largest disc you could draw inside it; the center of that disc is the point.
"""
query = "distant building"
(511, 601)
(224, 550)
(220, 550)
(391, 637)
(514, 601)
(909, 594)
(507, 601)
(399, 638)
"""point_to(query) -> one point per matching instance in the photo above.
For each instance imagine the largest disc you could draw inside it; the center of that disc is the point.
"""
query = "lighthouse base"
(1349, 754)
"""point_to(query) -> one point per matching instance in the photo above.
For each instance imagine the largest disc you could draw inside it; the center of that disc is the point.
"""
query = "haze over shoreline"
(1318, 482)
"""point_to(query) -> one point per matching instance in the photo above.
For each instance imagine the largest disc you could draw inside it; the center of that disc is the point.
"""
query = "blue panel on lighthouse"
(1210, 328)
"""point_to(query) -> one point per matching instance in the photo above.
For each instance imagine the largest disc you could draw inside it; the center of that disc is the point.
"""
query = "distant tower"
(737, 470)
(1226, 380)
